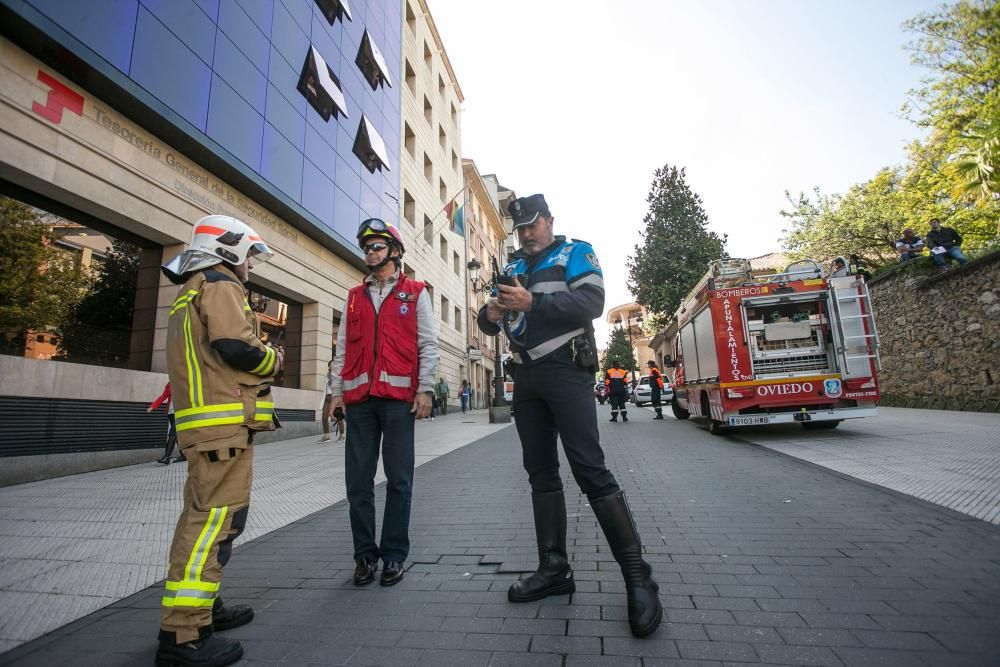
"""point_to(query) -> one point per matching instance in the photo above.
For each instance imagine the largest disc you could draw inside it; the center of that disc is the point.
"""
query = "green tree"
(619, 352)
(98, 330)
(676, 247)
(39, 284)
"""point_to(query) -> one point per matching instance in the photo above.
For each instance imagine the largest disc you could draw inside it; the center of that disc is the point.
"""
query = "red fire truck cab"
(796, 346)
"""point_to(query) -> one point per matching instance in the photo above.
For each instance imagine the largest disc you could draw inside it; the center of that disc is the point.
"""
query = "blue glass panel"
(346, 214)
(239, 73)
(188, 22)
(345, 144)
(300, 10)
(285, 118)
(317, 192)
(327, 47)
(320, 152)
(211, 8)
(371, 203)
(234, 124)
(288, 38)
(106, 26)
(347, 178)
(285, 79)
(244, 33)
(281, 163)
(260, 12)
(155, 49)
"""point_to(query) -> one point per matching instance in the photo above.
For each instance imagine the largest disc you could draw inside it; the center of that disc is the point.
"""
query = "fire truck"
(796, 346)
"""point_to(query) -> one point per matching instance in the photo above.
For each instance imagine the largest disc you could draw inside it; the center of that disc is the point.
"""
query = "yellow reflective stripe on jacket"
(192, 591)
(220, 414)
(195, 390)
(183, 300)
(267, 363)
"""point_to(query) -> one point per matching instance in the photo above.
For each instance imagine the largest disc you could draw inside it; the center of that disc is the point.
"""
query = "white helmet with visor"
(217, 239)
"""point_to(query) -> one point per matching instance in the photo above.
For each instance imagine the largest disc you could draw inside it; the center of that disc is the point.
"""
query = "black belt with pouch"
(584, 351)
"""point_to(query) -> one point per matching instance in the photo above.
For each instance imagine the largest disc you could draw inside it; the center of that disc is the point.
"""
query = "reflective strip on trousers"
(354, 383)
(552, 344)
(195, 590)
(403, 381)
(220, 414)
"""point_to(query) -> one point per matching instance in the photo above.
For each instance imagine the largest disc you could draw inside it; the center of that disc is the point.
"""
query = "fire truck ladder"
(855, 322)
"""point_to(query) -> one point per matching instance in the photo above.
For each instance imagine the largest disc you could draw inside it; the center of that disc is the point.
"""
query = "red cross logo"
(60, 97)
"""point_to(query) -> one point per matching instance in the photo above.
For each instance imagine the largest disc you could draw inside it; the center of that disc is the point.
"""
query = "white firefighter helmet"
(217, 239)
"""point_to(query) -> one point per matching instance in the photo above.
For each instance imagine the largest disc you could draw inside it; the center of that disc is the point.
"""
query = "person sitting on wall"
(838, 268)
(910, 246)
(944, 242)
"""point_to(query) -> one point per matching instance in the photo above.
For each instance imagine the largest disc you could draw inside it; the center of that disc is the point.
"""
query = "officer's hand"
(494, 311)
(335, 402)
(421, 405)
(514, 297)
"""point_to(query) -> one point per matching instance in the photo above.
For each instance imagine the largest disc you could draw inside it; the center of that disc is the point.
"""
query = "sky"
(582, 101)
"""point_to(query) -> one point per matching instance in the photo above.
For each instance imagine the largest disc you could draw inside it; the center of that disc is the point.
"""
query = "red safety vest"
(380, 351)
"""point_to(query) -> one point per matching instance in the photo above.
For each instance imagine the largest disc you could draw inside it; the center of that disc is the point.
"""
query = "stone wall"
(940, 335)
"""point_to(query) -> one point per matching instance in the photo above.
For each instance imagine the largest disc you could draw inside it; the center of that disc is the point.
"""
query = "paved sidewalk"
(72, 545)
(760, 559)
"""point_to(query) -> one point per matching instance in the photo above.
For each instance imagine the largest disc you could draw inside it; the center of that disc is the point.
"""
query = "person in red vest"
(383, 372)
(655, 388)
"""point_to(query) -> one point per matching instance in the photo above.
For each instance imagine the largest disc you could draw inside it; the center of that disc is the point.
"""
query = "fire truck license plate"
(749, 420)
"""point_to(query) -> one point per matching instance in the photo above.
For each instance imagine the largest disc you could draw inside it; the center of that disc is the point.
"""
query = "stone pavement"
(760, 559)
(72, 545)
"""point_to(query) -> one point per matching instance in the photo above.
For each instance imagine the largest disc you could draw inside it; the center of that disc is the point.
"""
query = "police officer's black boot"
(227, 617)
(624, 415)
(659, 413)
(614, 416)
(554, 575)
(209, 650)
(615, 517)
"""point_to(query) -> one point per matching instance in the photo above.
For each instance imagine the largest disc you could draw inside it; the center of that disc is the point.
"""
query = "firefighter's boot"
(624, 416)
(208, 650)
(554, 575)
(659, 413)
(227, 617)
(614, 416)
(644, 609)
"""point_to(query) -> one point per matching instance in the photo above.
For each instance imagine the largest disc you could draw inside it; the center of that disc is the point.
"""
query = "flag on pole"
(456, 217)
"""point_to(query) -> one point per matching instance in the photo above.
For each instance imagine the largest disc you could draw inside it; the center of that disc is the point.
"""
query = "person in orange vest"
(616, 379)
(383, 372)
(655, 387)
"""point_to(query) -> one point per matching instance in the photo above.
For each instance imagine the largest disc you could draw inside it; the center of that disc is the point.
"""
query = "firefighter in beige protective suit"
(220, 374)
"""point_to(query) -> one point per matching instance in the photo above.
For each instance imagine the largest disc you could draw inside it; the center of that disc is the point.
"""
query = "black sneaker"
(210, 651)
(227, 617)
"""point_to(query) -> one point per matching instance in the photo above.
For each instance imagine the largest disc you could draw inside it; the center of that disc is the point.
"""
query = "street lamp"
(499, 411)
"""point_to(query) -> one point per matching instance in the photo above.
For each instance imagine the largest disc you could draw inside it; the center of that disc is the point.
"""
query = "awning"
(371, 63)
(370, 148)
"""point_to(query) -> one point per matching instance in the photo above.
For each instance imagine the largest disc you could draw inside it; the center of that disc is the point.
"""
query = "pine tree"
(619, 353)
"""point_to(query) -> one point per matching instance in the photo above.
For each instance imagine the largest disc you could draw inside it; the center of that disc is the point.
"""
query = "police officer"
(655, 387)
(545, 302)
(220, 379)
(616, 380)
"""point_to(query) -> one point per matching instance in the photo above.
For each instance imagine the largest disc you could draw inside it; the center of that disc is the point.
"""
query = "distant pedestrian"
(441, 390)
(387, 356)
(463, 395)
(944, 242)
(171, 426)
(618, 391)
(655, 387)
(327, 403)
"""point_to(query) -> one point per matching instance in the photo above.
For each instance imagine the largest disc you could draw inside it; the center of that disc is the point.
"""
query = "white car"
(643, 393)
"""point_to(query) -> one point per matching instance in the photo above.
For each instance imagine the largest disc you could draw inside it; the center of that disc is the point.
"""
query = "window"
(335, 9)
(445, 306)
(456, 263)
(458, 318)
(369, 147)
(371, 63)
(454, 160)
(411, 20)
(409, 208)
(444, 248)
(442, 138)
(410, 140)
(428, 230)
(411, 79)
(443, 189)
(428, 111)
(427, 57)
(321, 87)
(428, 168)
(441, 86)
(454, 114)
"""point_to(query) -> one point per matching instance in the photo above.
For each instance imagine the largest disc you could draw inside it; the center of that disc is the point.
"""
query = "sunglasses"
(375, 247)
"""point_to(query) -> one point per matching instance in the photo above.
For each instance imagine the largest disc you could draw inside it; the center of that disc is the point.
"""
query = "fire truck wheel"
(679, 412)
(815, 426)
(715, 427)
